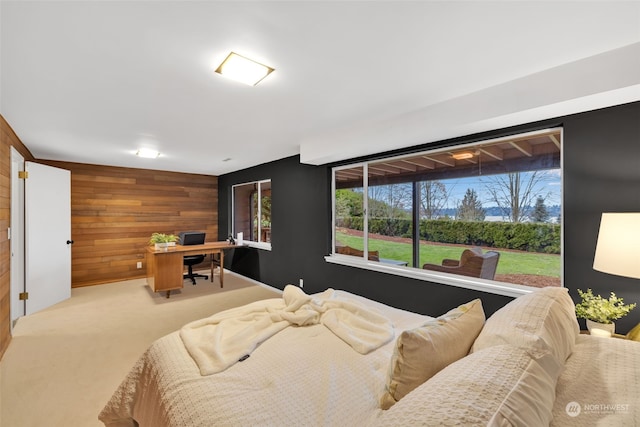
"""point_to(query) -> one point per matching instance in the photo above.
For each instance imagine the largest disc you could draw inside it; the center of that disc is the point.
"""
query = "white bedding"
(219, 341)
(602, 376)
(308, 376)
(300, 376)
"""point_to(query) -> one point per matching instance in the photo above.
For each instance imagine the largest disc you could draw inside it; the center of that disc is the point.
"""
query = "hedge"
(526, 236)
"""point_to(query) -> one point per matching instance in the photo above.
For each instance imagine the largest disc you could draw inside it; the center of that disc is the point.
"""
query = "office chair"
(192, 238)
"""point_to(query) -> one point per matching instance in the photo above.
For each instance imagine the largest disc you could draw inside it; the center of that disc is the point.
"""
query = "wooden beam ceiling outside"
(518, 147)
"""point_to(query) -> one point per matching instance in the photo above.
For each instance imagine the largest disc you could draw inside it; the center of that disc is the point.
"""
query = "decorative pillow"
(498, 386)
(541, 321)
(421, 352)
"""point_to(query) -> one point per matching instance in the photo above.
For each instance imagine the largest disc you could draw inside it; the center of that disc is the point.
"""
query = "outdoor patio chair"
(348, 250)
(473, 263)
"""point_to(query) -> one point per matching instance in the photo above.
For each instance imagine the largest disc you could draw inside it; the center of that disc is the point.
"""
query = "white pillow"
(498, 386)
(422, 352)
(541, 321)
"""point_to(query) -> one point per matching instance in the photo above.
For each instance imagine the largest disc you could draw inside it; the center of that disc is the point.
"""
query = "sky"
(549, 187)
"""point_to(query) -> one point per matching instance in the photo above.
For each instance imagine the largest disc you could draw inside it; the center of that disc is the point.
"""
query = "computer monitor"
(191, 238)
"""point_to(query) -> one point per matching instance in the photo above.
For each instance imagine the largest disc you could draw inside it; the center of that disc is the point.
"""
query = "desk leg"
(212, 264)
(221, 269)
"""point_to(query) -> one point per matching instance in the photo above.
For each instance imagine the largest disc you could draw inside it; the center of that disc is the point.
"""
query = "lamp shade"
(618, 247)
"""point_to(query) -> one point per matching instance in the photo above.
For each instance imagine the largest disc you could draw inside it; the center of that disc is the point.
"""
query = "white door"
(48, 235)
(16, 234)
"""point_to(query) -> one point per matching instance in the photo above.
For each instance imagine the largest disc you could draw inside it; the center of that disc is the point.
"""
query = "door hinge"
(24, 296)
(23, 174)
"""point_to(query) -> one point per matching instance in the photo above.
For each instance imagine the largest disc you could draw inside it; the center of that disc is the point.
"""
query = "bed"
(525, 365)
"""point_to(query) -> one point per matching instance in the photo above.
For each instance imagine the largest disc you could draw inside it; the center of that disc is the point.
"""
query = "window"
(252, 212)
(489, 210)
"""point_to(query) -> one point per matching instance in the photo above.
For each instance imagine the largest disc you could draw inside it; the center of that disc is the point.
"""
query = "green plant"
(162, 238)
(601, 310)
(529, 237)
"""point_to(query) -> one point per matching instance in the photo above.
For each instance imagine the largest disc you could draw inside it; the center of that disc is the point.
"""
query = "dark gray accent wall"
(601, 174)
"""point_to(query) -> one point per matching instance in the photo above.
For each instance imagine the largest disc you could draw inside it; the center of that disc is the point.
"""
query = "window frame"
(255, 244)
(478, 284)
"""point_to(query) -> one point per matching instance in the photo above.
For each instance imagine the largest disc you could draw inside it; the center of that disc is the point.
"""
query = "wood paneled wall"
(114, 211)
(8, 139)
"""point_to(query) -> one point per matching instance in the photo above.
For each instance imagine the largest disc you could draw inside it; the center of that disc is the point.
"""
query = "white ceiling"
(92, 81)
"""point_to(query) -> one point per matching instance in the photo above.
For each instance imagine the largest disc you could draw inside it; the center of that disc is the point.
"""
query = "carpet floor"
(64, 362)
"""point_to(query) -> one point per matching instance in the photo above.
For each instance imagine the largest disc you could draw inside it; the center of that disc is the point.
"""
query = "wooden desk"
(165, 267)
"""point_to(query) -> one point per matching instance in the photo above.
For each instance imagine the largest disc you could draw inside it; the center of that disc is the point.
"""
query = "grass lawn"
(510, 262)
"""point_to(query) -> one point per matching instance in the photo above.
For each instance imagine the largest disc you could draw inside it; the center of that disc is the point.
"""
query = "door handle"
(69, 242)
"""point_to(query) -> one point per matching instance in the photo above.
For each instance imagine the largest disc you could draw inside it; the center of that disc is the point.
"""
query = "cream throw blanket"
(217, 342)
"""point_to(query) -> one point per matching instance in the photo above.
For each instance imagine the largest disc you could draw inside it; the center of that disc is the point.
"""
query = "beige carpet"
(64, 362)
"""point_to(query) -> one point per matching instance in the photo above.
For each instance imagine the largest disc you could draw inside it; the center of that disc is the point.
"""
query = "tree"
(348, 203)
(470, 209)
(433, 198)
(390, 201)
(514, 192)
(540, 213)
(388, 204)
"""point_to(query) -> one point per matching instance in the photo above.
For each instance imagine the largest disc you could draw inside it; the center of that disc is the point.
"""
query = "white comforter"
(600, 385)
(219, 341)
(300, 376)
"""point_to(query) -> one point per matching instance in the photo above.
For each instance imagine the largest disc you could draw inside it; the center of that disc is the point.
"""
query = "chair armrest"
(450, 262)
(436, 267)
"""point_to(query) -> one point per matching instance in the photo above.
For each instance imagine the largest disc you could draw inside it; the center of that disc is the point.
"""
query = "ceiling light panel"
(147, 153)
(242, 69)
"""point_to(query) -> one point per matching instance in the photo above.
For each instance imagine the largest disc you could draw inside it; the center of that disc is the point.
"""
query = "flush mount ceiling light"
(147, 153)
(242, 69)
